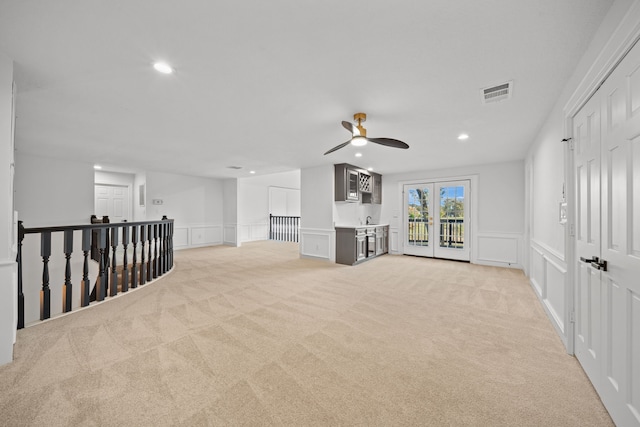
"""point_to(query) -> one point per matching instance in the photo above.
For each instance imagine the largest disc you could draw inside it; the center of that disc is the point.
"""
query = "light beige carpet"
(256, 336)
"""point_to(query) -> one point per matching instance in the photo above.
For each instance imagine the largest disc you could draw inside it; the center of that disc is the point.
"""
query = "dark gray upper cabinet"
(347, 180)
(375, 196)
(352, 181)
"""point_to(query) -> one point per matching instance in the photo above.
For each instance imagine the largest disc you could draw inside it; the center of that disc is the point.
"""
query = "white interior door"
(436, 220)
(620, 243)
(607, 159)
(588, 289)
(112, 200)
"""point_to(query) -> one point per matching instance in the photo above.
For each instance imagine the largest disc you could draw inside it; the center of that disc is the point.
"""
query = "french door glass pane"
(452, 217)
(418, 220)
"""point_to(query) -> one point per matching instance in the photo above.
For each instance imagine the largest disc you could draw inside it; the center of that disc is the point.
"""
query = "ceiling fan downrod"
(361, 118)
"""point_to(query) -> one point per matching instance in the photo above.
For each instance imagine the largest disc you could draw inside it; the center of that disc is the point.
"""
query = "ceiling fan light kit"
(358, 141)
(359, 136)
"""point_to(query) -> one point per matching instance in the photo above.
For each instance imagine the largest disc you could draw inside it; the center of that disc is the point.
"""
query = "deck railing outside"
(451, 232)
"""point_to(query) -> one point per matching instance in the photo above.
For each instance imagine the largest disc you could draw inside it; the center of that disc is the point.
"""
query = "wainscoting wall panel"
(318, 243)
(499, 249)
(191, 236)
(206, 235)
(231, 235)
(181, 237)
(253, 232)
(549, 282)
(394, 239)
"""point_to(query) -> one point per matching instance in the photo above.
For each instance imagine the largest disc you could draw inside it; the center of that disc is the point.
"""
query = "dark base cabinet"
(357, 244)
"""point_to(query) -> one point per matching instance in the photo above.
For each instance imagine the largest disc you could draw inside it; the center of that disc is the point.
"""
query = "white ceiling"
(265, 84)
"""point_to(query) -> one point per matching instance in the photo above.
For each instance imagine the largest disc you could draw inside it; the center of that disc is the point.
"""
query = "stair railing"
(108, 238)
(284, 228)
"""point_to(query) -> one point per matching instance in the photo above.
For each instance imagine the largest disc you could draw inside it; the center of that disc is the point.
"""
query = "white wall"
(497, 225)
(351, 213)
(139, 210)
(53, 191)
(194, 203)
(113, 178)
(8, 290)
(549, 244)
(253, 202)
(230, 212)
(317, 233)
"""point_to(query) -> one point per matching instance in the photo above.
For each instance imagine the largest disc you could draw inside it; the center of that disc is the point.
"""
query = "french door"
(436, 220)
(607, 290)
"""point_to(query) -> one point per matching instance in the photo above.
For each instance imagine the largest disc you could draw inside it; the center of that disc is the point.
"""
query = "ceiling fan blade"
(337, 147)
(351, 128)
(389, 142)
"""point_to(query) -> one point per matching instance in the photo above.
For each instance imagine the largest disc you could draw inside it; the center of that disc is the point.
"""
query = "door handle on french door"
(600, 264)
(597, 263)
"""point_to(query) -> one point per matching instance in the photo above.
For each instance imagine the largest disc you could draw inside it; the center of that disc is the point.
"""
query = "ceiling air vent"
(234, 167)
(497, 93)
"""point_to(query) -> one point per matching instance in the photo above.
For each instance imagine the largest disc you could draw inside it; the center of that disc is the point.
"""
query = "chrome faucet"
(368, 219)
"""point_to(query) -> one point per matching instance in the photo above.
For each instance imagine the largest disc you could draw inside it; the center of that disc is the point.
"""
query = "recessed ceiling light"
(358, 154)
(97, 167)
(369, 169)
(252, 172)
(163, 67)
(463, 136)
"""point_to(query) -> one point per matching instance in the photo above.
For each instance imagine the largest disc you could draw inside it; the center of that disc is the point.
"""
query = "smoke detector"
(497, 93)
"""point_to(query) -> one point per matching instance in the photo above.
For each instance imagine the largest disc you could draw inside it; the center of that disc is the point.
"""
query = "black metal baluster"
(45, 293)
(150, 260)
(143, 267)
(134, 265)
(85, 287)
(101, 290)
(67, 290)
(155, 251)
(113, 290)
(20, 291)
(124, 280)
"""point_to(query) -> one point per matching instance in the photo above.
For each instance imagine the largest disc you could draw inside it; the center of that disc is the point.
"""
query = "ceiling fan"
(359, 136)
